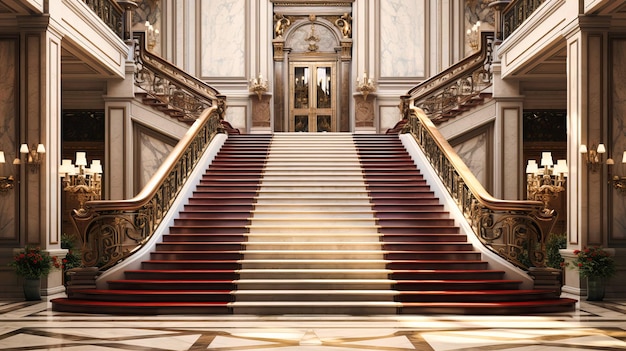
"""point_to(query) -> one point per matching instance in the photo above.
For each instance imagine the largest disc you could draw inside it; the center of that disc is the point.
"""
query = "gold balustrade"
(110, 12)
(111, 230)
(516, 12)
(515, 230)
(458, 85)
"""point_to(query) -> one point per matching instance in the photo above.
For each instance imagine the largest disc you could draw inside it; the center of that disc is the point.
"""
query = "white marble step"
(344, 251)
(307, 212)
(294, 273)
(330, 223)
(313, 263)
(314, 295)
(314, 284)
(312, 229)
(312, 248)
(309, 200)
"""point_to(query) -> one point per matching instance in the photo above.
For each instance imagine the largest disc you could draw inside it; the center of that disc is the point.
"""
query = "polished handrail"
(516, 12)
(457, 84)
(517, 230)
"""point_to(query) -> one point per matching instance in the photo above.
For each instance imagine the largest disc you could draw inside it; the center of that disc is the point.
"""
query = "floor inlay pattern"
(33, 326)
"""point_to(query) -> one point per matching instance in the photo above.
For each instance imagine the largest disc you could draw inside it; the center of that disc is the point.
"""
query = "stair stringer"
(143, 254)
(494, 260)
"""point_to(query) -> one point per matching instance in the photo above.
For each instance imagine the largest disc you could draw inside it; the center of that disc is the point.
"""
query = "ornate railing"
(177, 91)
(110, 12)
(110, 230)
(516, 13)
(458, 85)
(515, 230)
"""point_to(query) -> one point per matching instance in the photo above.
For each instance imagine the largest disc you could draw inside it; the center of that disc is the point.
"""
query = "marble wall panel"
(152, 150)
(474, 152)
(402, 43)
(8, 132)
(223, 38)
(618, 113)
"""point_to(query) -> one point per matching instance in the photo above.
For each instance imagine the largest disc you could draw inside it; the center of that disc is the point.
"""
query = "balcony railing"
(515, 230)
(516, 13)
(449, 92)
(110, 12)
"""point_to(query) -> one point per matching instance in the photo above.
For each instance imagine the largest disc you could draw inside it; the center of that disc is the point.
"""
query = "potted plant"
(32, 264)
(596, 265)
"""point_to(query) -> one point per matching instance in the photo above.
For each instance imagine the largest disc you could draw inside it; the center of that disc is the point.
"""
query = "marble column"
(587, 124)
(40, 122)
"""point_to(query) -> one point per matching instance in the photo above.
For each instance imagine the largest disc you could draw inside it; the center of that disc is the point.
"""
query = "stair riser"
(312, 274)
(451, 285)
(457, 256)
(412, 238)
(356, 310)
(177, 275)
(428, 247)
(280, 264)
(345, 297)
(166, 297)
(177, 285)
(236, 238)
(185, 265)
(196, 256)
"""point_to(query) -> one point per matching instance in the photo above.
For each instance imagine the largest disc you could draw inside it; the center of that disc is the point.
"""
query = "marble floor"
(33, 326)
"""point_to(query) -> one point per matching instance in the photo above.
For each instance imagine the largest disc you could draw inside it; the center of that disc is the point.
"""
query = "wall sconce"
(6, 183)
(544, 184)
(33, 156)
(593, 156)
(472, 36)
(366, 86)
(258, 86)
(152, 36)
(619, 182)
(80, 181)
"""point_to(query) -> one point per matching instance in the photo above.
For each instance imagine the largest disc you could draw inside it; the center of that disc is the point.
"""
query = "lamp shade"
(546, 159)
(531, 167)
(41, 149)
(96, 167)
(81, 158)
(601, 149)
(561, 167)
(24, 149)
(66, 167)
(2, 160)
(583, 149)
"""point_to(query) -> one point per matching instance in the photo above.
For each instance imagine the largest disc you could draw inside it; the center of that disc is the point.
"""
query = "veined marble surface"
(223, 38)
(400, 20)
(8, 133)
(33, 326)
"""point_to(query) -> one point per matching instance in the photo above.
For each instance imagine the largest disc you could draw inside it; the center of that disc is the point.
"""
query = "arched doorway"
(312, 56)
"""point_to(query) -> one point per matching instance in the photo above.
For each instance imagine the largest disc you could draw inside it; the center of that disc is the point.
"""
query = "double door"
(312, 92)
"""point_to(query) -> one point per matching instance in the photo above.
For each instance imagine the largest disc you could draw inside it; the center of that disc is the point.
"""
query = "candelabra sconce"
(366, 86)
(619, 182)
(593, 156)
(258, 86)
(152, 36)
(545, 183)
(473, 36)
(33, 156)
(6, 183)
(82, 182)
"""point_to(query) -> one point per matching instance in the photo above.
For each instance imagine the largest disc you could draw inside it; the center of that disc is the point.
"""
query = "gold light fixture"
(593, 156)
(6, 183)
(152, 35)
(82, 182)
(33, 156)
(619, 182)
(545, 184)
(472, 36)
(258, 86)
(366, 86)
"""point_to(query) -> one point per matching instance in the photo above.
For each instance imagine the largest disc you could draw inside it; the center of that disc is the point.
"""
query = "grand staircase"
(328, 223)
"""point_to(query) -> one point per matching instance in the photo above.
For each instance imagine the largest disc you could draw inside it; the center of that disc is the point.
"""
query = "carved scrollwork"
(515, 230)
(110, 231)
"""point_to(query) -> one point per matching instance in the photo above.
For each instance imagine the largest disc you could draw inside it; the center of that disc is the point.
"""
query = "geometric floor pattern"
(34, 326)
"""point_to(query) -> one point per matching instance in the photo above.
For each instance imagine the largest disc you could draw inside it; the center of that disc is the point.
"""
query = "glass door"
(312, 97)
